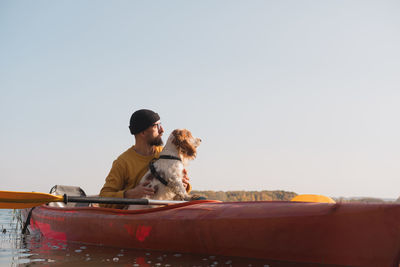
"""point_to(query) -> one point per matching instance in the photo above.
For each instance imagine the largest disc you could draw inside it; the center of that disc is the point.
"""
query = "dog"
(166, 172)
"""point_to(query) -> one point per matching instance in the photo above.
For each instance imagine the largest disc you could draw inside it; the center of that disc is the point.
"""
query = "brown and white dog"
(166, 173)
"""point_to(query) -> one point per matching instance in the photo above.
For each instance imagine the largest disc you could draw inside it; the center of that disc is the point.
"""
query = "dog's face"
(185, 143)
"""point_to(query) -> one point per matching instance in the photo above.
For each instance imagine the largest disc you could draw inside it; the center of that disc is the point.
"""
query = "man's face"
(154, 134)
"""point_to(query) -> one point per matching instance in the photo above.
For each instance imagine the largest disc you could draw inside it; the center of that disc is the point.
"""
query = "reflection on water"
(9, 233)
(29, 250)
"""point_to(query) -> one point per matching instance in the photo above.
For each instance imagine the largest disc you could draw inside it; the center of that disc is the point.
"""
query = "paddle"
(313, 198)
(21, 200)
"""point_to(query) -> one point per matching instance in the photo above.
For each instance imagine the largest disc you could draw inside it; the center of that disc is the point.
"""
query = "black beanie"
(142, 119)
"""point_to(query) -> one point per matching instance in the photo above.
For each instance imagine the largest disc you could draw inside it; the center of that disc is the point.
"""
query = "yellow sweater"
(125, 174)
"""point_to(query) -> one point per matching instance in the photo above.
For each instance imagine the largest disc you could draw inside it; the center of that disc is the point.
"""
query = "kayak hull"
(340, 234)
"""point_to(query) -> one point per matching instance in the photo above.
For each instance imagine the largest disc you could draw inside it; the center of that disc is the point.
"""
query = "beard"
(157, 141)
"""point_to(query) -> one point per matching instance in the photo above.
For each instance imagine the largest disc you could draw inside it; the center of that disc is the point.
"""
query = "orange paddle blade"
(313, 198)
(21, 200)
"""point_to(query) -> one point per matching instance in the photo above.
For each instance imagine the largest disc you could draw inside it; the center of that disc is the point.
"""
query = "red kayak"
(349, 234)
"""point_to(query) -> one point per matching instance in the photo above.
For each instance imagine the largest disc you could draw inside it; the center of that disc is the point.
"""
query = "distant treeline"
(362, 200)
(270, 195)
(246, 195)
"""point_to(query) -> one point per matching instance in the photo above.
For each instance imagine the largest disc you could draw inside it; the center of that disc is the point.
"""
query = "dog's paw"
(179, 197)
(195, 197)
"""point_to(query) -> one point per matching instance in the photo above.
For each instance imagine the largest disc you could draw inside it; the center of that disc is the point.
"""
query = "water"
(28, 250)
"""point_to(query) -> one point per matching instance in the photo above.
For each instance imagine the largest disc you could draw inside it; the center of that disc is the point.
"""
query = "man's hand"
(185, 179)
(139, 191)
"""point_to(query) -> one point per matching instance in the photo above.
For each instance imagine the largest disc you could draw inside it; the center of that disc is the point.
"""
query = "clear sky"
(297, 95)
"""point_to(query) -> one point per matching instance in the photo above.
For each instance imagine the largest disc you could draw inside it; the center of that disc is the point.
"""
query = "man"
(130, 166)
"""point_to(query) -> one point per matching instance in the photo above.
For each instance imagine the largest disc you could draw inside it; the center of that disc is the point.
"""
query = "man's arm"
(114, 185)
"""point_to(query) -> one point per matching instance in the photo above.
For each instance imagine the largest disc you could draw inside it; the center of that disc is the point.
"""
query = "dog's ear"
(182, 143)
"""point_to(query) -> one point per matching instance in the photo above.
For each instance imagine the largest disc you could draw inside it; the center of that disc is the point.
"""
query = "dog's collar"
(153, 169)
(169, 157)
